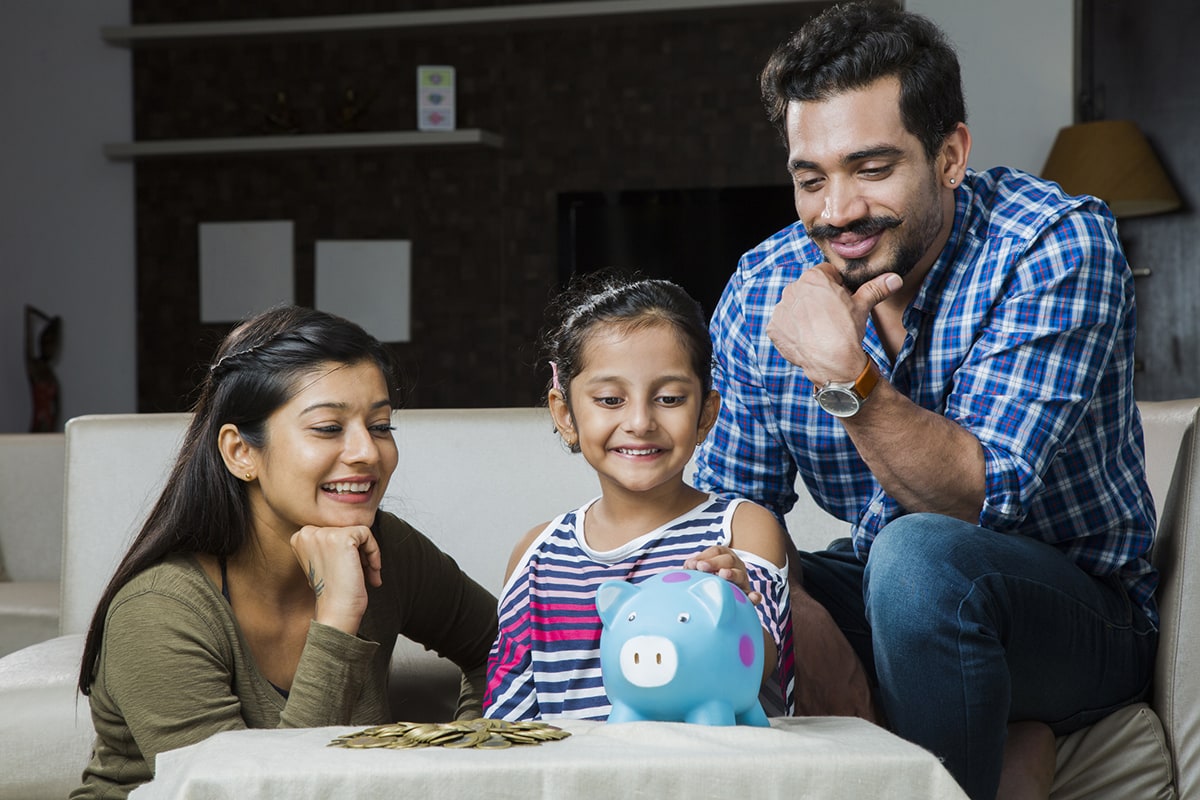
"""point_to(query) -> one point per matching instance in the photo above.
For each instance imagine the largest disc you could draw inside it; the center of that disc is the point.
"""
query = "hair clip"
(554, 375)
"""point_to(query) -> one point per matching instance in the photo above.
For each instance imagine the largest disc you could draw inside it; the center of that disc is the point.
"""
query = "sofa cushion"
(46, 729)
(1120, 757)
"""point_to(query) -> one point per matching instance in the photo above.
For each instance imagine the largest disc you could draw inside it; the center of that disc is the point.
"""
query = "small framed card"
(435, 98)
(245, 268)
(368, 282)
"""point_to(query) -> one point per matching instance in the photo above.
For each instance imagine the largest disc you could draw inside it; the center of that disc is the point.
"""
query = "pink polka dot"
(739, 595)
(676, 577)
(746, 650)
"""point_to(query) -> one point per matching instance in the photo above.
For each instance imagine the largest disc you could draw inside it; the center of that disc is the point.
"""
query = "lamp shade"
(1112, 160)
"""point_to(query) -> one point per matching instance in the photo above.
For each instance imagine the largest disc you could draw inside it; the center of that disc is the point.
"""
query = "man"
(946, 358)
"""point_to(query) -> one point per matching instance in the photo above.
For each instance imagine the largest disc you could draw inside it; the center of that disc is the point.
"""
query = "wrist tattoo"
(317, 584)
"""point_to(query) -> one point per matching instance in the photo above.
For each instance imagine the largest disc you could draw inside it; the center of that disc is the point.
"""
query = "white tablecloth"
(814, 757)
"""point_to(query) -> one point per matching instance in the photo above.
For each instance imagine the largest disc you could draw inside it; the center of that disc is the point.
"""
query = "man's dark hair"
(852, 45)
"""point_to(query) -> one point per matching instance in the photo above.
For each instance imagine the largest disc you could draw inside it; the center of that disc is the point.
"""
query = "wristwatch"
(845, 398)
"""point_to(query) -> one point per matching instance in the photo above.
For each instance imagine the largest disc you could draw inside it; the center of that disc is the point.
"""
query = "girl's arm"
(755, 531)
(511, 692)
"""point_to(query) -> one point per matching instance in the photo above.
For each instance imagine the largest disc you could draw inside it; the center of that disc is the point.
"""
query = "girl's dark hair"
(852, 45)
(203, 508)
(613, 298)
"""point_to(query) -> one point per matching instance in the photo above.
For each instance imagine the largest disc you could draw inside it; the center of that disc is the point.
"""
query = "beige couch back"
(1174, 473)
(472, 480)
(31, 505)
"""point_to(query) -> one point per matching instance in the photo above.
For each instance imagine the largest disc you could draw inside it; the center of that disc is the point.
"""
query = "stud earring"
(249, 476)
(952, 181)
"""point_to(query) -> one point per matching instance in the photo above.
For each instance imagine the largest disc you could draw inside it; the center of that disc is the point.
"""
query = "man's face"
(864, 188)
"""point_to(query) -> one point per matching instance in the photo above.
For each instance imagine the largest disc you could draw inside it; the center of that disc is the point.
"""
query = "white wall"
(1018, 73)
(66, 212)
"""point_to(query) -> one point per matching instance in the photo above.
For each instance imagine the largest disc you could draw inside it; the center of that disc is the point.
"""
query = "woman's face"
(329, 452)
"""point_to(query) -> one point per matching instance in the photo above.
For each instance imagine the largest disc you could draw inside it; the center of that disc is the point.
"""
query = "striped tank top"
(545, 662)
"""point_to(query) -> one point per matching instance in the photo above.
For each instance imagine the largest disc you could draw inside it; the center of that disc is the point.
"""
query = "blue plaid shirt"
(1022, 333)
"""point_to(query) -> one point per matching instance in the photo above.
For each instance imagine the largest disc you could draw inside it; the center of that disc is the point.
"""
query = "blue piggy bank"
(683, 646)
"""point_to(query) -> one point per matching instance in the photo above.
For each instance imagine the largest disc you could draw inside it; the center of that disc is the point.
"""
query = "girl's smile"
(637, 407)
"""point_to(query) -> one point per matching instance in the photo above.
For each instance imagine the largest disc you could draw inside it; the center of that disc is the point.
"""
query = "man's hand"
(819, 326)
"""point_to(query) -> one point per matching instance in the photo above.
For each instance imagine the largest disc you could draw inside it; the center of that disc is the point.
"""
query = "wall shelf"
(135, 35)
(467, 137)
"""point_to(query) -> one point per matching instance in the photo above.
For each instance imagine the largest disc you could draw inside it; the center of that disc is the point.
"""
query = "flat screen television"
(691, 236)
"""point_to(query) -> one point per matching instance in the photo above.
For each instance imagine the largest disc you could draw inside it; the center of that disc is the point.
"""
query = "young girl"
(631, 391)
(266, 589)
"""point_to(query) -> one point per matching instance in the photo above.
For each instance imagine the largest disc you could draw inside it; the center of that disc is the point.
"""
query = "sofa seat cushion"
(28, 613)
(46, 729)
(1122, 756)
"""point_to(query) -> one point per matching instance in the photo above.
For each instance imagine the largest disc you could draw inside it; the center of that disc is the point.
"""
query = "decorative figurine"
(354, 107)
(41, 350)
(683, 646)
(280, 118)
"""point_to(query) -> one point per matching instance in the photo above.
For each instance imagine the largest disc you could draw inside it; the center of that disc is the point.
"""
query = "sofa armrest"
(28, 613)
(46, 729)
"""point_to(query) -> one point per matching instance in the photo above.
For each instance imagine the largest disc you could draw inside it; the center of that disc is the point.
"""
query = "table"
(806, 757)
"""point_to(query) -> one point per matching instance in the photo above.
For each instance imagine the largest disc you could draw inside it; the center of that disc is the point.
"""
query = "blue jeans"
(963, 630)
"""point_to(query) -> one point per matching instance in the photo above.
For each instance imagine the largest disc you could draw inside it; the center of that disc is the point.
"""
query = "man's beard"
(858, 270)
(909, 249)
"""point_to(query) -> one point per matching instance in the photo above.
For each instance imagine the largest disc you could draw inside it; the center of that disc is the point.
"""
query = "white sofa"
(31, 514)
(474, 481)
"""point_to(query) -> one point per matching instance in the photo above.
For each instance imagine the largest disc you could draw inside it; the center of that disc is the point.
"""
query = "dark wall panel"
(660, 102)
(1142, 64)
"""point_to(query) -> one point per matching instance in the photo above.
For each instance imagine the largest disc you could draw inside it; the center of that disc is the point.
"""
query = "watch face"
(839, 401)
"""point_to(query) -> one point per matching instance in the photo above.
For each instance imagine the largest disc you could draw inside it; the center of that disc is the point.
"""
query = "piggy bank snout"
(649, 661)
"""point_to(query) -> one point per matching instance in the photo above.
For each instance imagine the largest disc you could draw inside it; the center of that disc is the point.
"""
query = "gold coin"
(365, 742)
(405, 744)
(471, 739)
(494, 742)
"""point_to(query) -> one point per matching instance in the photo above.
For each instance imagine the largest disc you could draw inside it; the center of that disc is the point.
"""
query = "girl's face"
(329, 452)
(637, 407)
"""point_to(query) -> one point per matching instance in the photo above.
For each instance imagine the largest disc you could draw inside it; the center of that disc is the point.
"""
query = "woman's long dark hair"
(203, 508)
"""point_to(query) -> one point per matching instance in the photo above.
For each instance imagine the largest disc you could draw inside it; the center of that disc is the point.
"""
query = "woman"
(266, 589)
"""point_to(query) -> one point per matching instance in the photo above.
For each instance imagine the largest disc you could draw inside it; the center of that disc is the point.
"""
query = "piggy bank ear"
(611, 595)
(715, 598)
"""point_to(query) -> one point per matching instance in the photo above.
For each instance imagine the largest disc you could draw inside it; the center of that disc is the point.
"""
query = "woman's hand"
(339, 562)
(724, 563)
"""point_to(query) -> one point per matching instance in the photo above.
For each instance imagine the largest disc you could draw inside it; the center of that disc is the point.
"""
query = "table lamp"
(1112, 160)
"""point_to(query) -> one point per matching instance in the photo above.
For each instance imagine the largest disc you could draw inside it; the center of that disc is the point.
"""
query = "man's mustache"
(864, 226)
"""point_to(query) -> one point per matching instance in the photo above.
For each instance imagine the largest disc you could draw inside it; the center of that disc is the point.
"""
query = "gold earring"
(249, 476)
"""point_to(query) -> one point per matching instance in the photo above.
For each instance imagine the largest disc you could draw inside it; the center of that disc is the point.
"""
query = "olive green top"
(174, 669)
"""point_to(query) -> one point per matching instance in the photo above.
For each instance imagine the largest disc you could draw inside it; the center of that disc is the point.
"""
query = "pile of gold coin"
(482, 734)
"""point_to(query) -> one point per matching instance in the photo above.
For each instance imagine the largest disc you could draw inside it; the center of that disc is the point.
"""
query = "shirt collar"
(930, 293)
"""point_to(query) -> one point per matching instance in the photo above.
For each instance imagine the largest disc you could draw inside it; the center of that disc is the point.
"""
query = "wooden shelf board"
(128, 151)
(133, 35)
